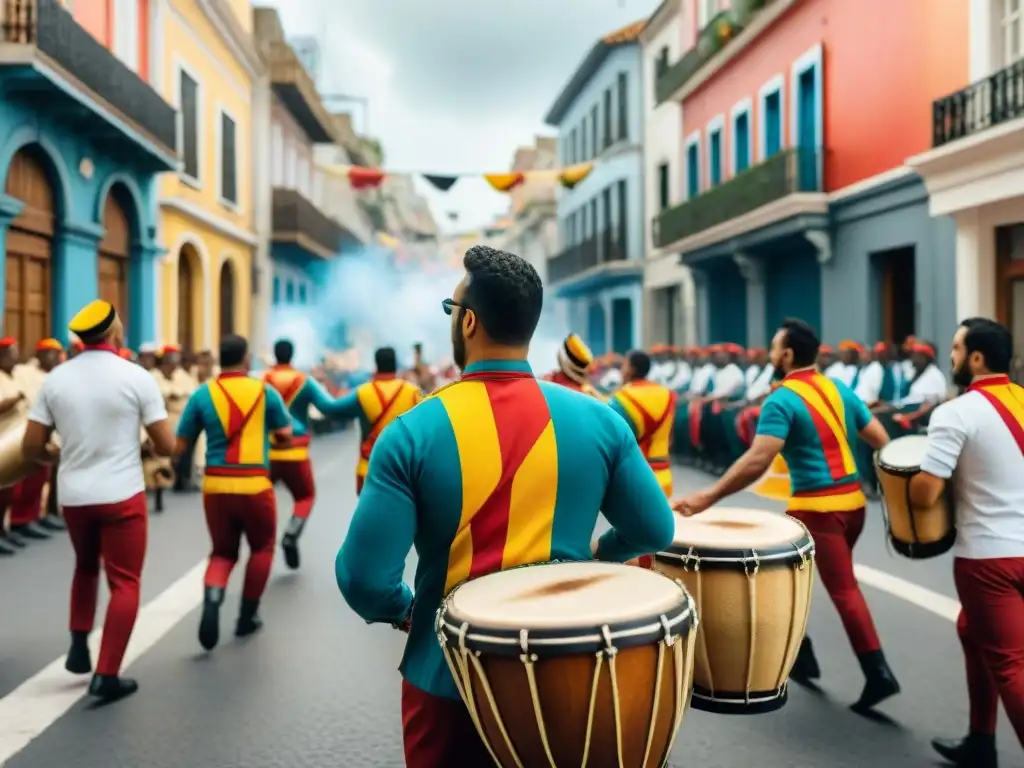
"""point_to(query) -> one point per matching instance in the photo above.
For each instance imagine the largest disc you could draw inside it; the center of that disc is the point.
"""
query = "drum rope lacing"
(460, 665)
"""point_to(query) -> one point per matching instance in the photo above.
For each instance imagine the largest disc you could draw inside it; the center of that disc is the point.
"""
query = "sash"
(290, 391)
(378, 425)
(236, 433)
(825, 406)
(1008, 400)
(651, 425)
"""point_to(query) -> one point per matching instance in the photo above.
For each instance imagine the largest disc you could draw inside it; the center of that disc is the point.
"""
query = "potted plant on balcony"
(717, 34)
(745, 10)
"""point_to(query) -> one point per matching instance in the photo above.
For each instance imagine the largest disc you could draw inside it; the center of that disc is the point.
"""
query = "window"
(581, 140)
(573, 138)
(228, 160)
(594, 128)
(1013, 31)
(302, 294)
(663, 187)
(693, 166)
(741, 137)
(706, 10)
(770, 131)
(621, 229)
(715, 156)
(277, 289)
(126, 33)
(585, 153)
(593, 221)
(188, 114)
(607, 119)
(606, 212)
(622, 86)
(289, 292)
(661, 63)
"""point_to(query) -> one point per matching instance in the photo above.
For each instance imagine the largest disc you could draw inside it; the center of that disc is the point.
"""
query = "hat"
(881, 346)
(825, 349)
(847, 346)
(574, 357)
(922, 348)
(44, 344)
(169, 349)
(94, 319)
(124, 353)
(149, 348)
(7, 342)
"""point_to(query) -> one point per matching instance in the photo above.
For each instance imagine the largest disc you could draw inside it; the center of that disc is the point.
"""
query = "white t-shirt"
(869, 385)
(930, 387)
(750, 376)
(98, 403)
(968, 435)
(843, 372)
(682, 376)
(728, 382)
(701, 377)
(762, 385)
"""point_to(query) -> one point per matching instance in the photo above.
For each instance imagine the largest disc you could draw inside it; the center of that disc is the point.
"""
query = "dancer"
(290, 464)
(494, 471)
(980, 436)
(98, 403)
(240, 415)
(812, 421)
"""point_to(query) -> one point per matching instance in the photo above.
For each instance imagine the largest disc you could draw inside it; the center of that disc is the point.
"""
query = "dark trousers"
(297, 477)
(439, 733)
(229, 516)
(835, 534)
(991, 629)
(116, 535)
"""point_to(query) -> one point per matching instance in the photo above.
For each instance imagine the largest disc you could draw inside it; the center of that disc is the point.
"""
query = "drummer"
(494, 471)
(980, 437)
(799, 421)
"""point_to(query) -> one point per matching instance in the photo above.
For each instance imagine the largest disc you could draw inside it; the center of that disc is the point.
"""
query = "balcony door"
(622, 325)
(807, 130)
(772, 124)
(597, 331)
(1010, 290)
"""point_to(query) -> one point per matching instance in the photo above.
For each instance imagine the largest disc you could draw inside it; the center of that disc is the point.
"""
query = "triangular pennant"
(365, 178)
(504, 182)
(574, 174)
(442, 183)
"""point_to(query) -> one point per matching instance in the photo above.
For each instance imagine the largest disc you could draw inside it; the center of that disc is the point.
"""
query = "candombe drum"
(157, 471)
(584, 664)
(915, 532)
(13, 466)
(750, 573)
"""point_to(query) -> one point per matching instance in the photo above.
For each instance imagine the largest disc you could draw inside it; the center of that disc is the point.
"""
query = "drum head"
(734, 528)
(564, 596)
(905, 453)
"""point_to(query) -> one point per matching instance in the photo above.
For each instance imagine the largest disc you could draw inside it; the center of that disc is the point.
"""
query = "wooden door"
(1010, 289)
(186, 337)
(114, 255)
(227, 299)
(27, 313)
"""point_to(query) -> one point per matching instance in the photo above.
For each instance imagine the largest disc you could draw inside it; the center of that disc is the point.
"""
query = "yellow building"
(209, 70)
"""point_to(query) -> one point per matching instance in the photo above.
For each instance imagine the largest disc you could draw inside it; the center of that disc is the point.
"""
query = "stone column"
(752, 272)
(10, 207)
(975, 266)
(75, 271)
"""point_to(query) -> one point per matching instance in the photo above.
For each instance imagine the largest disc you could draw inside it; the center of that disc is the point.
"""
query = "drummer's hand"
(693, 504)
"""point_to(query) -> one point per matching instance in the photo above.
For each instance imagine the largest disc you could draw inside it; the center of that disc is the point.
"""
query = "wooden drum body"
(750, 573)
(583, 664)
(915, 532)
(13, 466)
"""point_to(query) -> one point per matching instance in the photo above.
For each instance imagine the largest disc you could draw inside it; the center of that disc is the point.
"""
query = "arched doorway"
(28, 311)
(114, 257)
(227, 298)
(189, 280)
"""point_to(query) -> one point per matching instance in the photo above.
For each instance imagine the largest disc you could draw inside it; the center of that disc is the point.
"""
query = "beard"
(962, 376)
(777, 373)
(458, 342)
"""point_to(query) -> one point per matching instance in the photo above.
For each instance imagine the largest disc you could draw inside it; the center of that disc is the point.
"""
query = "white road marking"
(933, 602)
(36, 704)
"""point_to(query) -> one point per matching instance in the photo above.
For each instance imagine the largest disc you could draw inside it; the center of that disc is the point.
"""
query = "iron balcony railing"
(48, 26)
(785, 173)
(603, 248)
(713, 38)
(980, 106)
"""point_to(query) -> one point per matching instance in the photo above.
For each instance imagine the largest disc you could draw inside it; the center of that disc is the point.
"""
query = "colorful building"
(82, 136)
(599, 271)
(975, 168)
(208, 67)
(797, 198)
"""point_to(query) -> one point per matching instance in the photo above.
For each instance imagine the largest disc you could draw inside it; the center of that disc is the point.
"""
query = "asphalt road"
(319, 689)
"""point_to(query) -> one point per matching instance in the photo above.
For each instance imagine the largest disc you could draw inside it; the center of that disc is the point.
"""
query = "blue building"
(599, 271)
(82, 138)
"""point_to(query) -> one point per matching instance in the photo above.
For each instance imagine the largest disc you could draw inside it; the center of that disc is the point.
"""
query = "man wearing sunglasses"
(492, 471)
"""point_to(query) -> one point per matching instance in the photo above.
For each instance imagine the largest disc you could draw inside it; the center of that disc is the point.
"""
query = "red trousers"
(27, 500)
(297, 477)
(991, 629)
(835, 534)
(229, 516)
(439, 733)
(115, 533)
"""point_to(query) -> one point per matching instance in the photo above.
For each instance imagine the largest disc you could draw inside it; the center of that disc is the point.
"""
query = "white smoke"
(380, 305)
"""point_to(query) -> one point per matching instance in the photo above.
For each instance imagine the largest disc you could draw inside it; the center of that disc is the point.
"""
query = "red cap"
(825, 349)
(7, 342)
(921, 348)
(53, 344)
(170, 349)
(881, 346)
(124, 354)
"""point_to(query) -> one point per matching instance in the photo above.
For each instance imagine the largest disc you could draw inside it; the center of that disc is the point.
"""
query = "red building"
(797, 117)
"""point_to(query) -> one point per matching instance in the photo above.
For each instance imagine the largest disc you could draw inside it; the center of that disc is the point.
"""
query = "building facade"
(975, 168)
(669, 298)
(598, 273)
(83, 134)
(797, 201)
(209, 69)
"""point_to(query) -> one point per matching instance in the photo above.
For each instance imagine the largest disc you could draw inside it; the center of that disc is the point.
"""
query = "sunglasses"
(450, 305)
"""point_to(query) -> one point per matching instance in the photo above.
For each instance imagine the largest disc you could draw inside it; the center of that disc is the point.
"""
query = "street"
(317, 688)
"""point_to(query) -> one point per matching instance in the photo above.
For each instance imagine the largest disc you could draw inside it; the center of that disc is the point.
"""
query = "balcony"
(296, 90)
(592, 253)
(297, 222)
(790, 172)
(715, 36)
(997, 99)
(54, 63)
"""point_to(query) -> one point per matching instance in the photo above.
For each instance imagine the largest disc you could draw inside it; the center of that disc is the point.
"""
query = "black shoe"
(249, 621)
(209, 624)
(6, 550)
(79, 660)
(30, 531)
(805, 668)
(110, 688)
(14, 540)
(976, 750)
(52, 523)
(290, 541)
(880, 684)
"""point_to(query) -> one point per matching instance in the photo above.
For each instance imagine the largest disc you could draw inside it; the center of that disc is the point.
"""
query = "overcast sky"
(454, 85)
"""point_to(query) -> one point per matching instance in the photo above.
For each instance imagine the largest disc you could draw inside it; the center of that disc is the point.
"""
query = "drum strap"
(291, 389)
(1008, 400)
(381, 421)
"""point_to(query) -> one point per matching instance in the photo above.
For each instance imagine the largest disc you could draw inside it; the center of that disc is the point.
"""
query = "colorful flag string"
(362, 178)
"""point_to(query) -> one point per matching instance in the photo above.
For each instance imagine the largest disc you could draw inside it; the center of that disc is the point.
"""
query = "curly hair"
(505, 292)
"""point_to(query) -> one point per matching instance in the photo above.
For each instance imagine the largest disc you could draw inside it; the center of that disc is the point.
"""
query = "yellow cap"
(93, 319)
(574, 357)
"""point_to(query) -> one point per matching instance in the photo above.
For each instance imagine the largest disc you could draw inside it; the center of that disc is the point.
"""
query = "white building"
(975, 172)
(669, 297)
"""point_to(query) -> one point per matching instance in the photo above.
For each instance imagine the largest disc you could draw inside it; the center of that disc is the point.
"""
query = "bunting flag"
(362, 178)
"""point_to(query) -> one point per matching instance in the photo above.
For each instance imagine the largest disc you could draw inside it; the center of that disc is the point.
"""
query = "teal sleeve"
(616, 406)
(346, 407)
(191, 422)
(774, 420)
(370, 565)
(634, 503)
(861, 414)
(277, 412)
